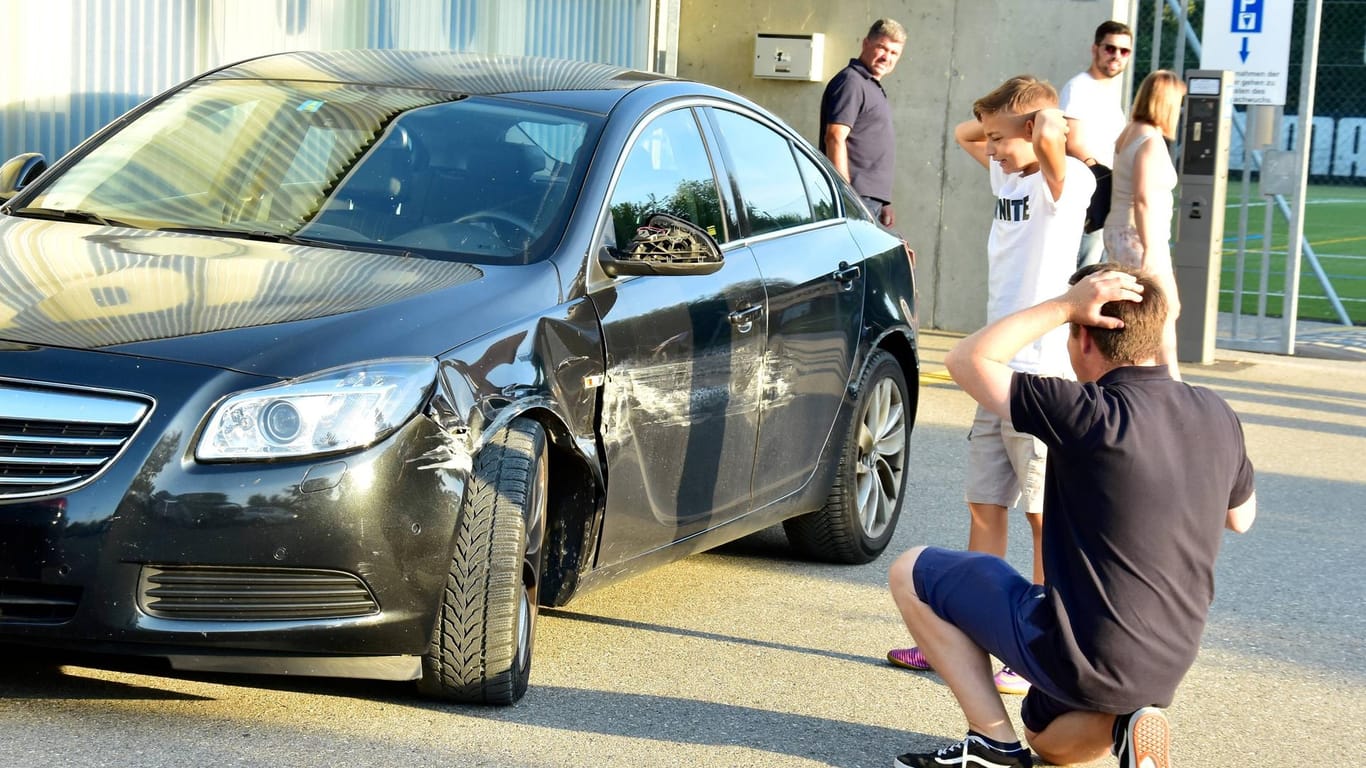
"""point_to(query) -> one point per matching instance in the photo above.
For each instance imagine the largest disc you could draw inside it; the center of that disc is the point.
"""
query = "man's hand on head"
(1085, 299)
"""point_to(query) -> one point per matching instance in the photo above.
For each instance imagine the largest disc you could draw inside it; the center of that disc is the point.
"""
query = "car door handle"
(743, 319)
(846, 275)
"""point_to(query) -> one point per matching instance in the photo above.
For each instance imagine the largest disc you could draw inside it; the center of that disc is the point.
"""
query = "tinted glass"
(667, 170)
(853, 206)
(771, 189)
(818, 191)
(432, 174)
(477, 179)
(236, 154)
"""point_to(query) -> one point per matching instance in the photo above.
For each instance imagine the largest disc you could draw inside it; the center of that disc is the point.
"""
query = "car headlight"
(335, 410)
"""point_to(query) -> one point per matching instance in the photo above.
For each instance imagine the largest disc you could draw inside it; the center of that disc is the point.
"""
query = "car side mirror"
(664, 245)
(18, 171)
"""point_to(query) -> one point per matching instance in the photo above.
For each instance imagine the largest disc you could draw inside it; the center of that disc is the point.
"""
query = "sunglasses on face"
(1115, 49)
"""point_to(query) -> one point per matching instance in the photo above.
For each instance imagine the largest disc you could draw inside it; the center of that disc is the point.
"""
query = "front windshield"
(431, 174)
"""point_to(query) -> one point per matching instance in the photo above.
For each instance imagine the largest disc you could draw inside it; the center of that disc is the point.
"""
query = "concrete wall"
(956, 51)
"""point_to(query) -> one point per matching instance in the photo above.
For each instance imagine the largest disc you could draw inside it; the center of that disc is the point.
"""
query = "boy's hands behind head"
(1088, 295)
(1046, 122)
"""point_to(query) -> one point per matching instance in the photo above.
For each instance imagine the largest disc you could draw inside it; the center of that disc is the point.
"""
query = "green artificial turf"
(1335, 228)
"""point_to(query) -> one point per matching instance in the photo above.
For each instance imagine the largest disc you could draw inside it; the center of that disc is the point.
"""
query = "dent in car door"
(681, 399)
(815, 284)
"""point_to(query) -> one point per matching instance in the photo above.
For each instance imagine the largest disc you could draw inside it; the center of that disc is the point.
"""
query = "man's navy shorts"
(993, 604)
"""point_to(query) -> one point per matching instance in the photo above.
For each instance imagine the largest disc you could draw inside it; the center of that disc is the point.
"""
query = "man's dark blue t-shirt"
(855, 98)
(1141, 473)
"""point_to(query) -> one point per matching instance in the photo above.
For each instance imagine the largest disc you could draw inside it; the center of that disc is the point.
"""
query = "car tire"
(480, 649)
(864, 504)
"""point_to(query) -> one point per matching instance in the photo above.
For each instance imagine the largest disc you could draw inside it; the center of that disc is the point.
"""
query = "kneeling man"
(1143, 475)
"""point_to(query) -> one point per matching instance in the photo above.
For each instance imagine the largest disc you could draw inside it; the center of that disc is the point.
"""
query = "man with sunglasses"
(1091, 102)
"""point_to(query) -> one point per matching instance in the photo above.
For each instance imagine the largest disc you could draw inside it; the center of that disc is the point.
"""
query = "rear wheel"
(861, 512)
(480, 650)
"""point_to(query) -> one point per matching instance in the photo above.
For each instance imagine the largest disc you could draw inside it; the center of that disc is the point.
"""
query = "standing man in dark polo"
(856, 120)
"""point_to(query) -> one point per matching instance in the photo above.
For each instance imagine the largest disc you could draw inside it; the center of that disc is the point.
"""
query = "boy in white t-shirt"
(1020, 136)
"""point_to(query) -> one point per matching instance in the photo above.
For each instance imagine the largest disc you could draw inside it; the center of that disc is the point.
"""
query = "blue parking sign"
(1252, 38)
(1247, 16)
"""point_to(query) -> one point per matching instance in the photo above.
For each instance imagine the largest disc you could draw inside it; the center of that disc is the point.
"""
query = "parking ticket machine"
(1197, 253)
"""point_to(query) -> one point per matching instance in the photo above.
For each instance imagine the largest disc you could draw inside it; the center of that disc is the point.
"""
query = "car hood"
(258, 307)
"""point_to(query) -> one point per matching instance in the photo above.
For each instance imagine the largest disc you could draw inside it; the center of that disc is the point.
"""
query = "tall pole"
(1303, 133)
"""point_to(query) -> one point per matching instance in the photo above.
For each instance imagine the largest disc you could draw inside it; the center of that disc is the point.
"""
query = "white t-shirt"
(1097, 104)
(1032, 251)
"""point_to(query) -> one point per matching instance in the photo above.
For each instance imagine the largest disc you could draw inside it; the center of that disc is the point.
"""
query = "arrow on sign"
(1243, 53)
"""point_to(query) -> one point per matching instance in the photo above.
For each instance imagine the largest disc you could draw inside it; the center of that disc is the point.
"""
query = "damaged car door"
(815, 304)
(680, 411)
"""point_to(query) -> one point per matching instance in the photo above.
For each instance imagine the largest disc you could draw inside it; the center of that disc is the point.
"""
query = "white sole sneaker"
(1149, 740)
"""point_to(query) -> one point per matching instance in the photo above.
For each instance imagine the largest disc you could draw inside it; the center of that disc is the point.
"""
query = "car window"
(481, 179)
(560, 141)
(818, 191)
(437, 175)
(667, 170)
(772, 190)
(246, 155)
(853, 206)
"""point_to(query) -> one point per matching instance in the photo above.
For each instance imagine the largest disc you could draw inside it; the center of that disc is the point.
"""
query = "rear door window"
(772, 190)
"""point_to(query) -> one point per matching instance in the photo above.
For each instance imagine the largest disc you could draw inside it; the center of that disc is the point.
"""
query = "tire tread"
(473, 647)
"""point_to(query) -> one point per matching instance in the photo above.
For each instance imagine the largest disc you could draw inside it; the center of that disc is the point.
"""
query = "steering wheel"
(510, 228)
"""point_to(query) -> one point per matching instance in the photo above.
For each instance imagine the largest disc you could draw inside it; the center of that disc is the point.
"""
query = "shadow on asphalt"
(689, 721)
(709, 636)
(655, 718)
(28, 674)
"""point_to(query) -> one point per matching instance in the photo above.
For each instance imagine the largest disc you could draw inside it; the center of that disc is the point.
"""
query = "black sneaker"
(1146, 741)
(972, 752)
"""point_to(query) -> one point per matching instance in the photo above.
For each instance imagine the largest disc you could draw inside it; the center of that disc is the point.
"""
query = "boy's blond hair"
(1019, 95)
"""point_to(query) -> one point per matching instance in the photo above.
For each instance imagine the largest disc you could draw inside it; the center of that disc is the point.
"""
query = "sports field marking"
(1314, 201)
(1279, 248)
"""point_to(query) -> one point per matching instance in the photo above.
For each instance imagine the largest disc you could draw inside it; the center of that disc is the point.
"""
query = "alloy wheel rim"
(881, 457)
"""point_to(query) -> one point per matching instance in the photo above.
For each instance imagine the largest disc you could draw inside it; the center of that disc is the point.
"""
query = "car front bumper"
(334, 565)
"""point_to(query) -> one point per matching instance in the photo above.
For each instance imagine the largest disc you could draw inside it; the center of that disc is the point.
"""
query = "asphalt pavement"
(746, 657)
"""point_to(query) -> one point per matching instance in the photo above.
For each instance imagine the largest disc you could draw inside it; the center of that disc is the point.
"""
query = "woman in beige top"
(1139, 228)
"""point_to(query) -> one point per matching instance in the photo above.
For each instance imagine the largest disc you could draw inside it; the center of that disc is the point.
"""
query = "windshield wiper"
(71, 214)
(249, 234)
(285, 237)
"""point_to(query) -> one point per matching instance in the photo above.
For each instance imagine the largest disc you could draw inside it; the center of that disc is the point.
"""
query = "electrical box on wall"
(789, 57)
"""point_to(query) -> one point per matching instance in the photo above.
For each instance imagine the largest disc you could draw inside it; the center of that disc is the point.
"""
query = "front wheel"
(480, 650)
(861, 512)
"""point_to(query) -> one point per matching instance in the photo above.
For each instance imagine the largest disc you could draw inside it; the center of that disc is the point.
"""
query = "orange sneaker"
(1146, 741)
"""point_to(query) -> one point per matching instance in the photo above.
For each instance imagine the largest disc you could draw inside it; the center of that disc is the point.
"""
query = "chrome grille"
(212, 593)
(55, 439)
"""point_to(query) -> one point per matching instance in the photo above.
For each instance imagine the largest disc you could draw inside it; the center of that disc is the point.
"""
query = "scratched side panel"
(680, 405)
(814, 327)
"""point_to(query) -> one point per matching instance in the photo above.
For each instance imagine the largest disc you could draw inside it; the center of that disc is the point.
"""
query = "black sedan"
(344, 363)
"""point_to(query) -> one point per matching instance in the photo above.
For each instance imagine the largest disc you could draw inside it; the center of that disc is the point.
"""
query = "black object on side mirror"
(664, 245)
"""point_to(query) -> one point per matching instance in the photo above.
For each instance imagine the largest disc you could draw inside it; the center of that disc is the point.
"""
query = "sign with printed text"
(1251, 38)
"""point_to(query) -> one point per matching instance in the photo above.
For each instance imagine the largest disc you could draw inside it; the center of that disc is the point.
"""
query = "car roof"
(464, 73)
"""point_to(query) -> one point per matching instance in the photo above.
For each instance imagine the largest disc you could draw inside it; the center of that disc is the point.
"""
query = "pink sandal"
(908, 658)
